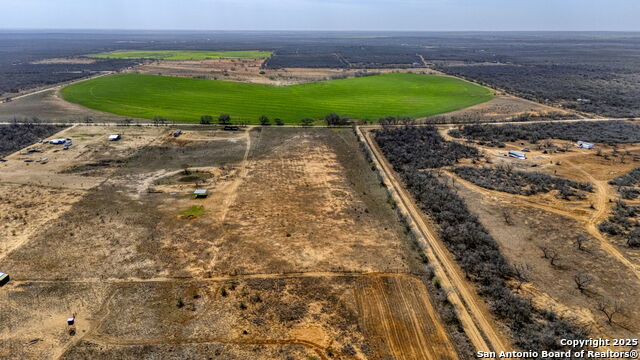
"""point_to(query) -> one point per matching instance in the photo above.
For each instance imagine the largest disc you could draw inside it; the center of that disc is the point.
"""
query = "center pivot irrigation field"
(182, 55)
(183, 99)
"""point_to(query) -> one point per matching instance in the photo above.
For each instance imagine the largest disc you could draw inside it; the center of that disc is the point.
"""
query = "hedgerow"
(411, 150)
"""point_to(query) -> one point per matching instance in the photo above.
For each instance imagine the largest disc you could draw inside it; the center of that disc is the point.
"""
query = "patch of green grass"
(185, 99)
(194, 211)
(181, 55)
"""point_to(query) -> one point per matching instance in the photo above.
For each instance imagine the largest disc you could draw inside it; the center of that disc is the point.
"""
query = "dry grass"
(546, 222)
(105, 241)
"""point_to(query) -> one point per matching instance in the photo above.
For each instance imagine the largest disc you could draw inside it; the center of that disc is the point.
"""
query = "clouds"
(323, 14)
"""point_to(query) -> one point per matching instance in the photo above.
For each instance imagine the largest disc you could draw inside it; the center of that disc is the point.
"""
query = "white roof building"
(585, 145)
(200, 193)
(518, 155)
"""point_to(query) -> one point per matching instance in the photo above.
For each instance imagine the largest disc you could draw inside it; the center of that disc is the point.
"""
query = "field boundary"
(471, 310)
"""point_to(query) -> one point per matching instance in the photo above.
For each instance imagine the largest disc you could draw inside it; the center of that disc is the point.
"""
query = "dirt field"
(291, 256)
(612, 265)
(49, 106)
(501, 108)
(250, 70)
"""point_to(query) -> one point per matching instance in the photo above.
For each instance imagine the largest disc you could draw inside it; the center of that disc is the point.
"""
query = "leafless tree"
(508, 219)
(581, 241)
(609, 308)
(408, 121)
(582, 280)
(521, 273)
(550, 254)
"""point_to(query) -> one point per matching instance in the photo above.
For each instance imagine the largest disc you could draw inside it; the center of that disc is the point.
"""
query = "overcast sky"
(594, 15)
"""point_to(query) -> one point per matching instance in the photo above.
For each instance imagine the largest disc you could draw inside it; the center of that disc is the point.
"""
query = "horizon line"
(319, 30)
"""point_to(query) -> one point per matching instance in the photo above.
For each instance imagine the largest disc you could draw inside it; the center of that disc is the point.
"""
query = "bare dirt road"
(472, 311)
(590, 221)
(603, 193)
(54, 87)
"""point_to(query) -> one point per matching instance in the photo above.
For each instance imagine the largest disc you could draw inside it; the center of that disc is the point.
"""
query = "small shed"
(4, 278)
(585, 145)
(518, 155)
(114, 137)
(200, 194)
(71, 321)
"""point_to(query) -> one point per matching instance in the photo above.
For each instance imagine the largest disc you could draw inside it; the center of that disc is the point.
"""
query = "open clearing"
(181, 55)
(181, 99)
(292, 254)
(608, 268)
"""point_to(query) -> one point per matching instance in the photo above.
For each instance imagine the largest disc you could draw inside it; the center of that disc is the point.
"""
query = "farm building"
(585, 145)
(200, 193)
(518, 155)
(114, 137)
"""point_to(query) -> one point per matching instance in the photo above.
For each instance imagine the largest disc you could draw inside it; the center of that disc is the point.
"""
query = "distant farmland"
(182, 55)
(186, 99)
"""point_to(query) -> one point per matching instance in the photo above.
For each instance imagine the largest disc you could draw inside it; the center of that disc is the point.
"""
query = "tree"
(224, 119)
(306, 122)
(159, 120)
(407, 121)
(278, 121)
(582, 280)
(550, 254)
(334, 119)
(581, 241)
(206, 119)
(521, 273)
(609, 309)
(264, 120)
(633, 238)
(506, 214)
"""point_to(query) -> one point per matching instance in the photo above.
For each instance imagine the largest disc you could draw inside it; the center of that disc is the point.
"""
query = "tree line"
(17, 136)
(411, 150)
(608, 132)
(628, 184)
(623, 222)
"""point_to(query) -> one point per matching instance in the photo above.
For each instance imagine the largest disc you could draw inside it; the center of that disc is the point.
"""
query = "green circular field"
(185, 99)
